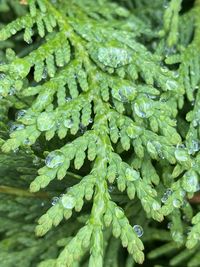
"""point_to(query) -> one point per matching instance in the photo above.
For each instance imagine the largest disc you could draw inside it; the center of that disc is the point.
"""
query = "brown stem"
(195, 199)
(21, 192)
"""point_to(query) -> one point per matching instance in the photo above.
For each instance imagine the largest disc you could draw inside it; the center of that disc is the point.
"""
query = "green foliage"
(105, 97)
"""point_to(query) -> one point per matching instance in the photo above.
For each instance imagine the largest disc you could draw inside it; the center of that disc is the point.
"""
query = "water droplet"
(177, 203)
(20, 114)
(169, 51)
(113, 57)
(143, 109)
(15, 127)
(175, 74)
(177, 236)
(29, 41)
(184, 217)
(68, 201)
(181, 154)
(68, 123)
(132, 175)
(151, 96)
(138, 230)
(90, 120)
(192, 73)
(195, 122)
(163, 99)
(182, 193)
(2, 76)
(164, 199)
(181, 146)
(194, 147)
(122, 97)
(27, 141)
(36, 161)
(12, 91)
(68, 99)
(159, 150)
(156, 206)
(13, 31)
(15, 150)
(110, 188)
(190, 181)
(54, 200)
(42, 204)
(166, 195)
(82, 128)
(171, 85)
(169, 225)
(125, 93)
(45, 121)
(44, 74)
(164, 69)
(54, 159)
(165, 4)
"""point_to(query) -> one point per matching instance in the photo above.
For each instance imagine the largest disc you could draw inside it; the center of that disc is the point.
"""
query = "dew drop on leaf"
(68, 123)
(68, 99)
(175, 74)
(54, 201)
(190, 181)
(110, 188)
(143, 109)
(195, 122)
(177, 203)
(169, 225)
(132, 175)
(27, 141)
(194, 147)
(12, 91)
(177, 236)
(45, 121)
(165, 4)
(16, 150)
(182, 193)
(2, 76)
(125, 93)
(20, 114)
(36, 161)
(20, 68)
(82, 128)
(113, 57)
(156, 206)
(54, 159)
(164, 69)
(181, 154)
(15, 127)
(138, 230)
(166, 195)
(171, 85)
(13, 31)
(68, 201)
(44, 74)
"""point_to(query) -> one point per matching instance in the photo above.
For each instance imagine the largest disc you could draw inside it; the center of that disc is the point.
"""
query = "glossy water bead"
(138, 230)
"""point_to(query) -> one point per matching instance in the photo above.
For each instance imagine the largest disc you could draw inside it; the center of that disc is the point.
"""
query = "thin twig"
(22, 192)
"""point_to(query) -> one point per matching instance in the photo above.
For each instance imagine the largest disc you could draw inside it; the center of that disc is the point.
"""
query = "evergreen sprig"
(93, 95)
